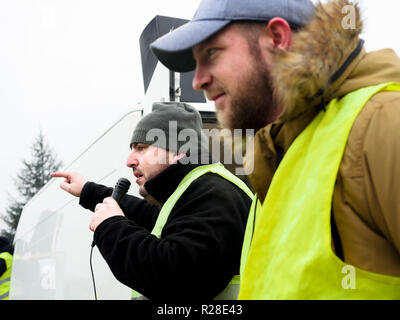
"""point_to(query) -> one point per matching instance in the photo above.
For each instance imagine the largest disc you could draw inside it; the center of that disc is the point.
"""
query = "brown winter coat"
(366, 200)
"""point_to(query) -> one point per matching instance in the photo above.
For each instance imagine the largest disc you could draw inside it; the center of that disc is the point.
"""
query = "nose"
(132, 161)
(202, 77)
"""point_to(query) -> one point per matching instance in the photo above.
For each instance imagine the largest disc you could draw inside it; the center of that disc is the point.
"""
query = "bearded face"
(252, 102)
(233, 73)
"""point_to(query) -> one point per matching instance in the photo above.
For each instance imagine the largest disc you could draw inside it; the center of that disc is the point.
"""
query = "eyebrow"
(200, 47)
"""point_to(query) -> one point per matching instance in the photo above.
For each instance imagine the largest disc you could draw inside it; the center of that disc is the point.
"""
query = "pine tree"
(33, 175)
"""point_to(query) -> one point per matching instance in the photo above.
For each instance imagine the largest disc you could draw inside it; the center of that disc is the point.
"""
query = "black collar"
(165, 183)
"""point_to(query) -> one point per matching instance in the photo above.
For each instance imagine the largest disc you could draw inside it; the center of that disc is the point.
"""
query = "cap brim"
(174, 50)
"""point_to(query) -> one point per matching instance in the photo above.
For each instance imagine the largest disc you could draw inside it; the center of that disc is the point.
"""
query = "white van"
(53, 241)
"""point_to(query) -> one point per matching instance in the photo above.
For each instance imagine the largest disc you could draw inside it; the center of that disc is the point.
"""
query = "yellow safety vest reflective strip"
(6, 276)
(232, 290)
(290, 256)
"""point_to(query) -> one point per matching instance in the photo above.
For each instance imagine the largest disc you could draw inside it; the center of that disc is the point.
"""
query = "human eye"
(140, 147)
(210, 52)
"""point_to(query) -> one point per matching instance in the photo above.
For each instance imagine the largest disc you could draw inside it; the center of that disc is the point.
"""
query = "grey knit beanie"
(173, 126)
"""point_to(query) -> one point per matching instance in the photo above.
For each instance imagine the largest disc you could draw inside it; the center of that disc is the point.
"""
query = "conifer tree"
(33, 175)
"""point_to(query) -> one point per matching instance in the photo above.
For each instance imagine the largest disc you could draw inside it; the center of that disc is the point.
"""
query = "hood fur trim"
(318, 51)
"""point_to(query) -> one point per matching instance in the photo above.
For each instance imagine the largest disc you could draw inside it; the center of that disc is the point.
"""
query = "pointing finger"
(60, 175)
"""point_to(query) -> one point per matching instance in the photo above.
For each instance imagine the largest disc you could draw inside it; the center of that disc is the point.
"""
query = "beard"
(253, 104)
(149, 198)
(143, 192)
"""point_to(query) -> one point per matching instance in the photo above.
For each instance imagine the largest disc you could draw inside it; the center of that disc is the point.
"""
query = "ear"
(278, 34)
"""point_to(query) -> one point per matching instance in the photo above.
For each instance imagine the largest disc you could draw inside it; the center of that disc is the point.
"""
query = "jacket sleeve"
(199, 250)
(134, 208)
(382, 167)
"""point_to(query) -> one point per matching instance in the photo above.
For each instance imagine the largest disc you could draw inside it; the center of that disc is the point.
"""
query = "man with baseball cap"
(184, 243)
(325, 162)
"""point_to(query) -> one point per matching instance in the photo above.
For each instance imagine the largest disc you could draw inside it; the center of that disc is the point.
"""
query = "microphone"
(121, 188)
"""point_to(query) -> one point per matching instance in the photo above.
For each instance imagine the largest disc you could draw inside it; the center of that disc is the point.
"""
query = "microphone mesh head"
(123, 183)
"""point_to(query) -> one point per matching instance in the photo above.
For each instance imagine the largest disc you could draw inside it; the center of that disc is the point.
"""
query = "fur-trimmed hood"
(304, 72)
(326, 61)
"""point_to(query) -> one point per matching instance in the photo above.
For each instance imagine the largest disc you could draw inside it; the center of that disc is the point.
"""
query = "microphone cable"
(91, 269)
(121, 188)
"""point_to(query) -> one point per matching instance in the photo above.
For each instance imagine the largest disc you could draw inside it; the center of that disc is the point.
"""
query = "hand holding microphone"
(109, 207)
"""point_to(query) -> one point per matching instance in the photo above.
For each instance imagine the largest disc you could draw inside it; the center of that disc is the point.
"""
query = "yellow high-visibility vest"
(290, 255)
(232, 290)
(6, 276)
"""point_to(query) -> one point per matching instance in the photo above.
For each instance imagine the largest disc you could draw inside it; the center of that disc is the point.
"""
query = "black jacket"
(6, 247)
(3, 266)
(200, 246)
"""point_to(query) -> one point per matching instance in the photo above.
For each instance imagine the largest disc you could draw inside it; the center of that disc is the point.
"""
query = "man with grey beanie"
(176, 127)
(182, 242)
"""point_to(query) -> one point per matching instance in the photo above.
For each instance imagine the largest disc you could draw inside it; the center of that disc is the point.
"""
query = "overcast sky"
(72, 69)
